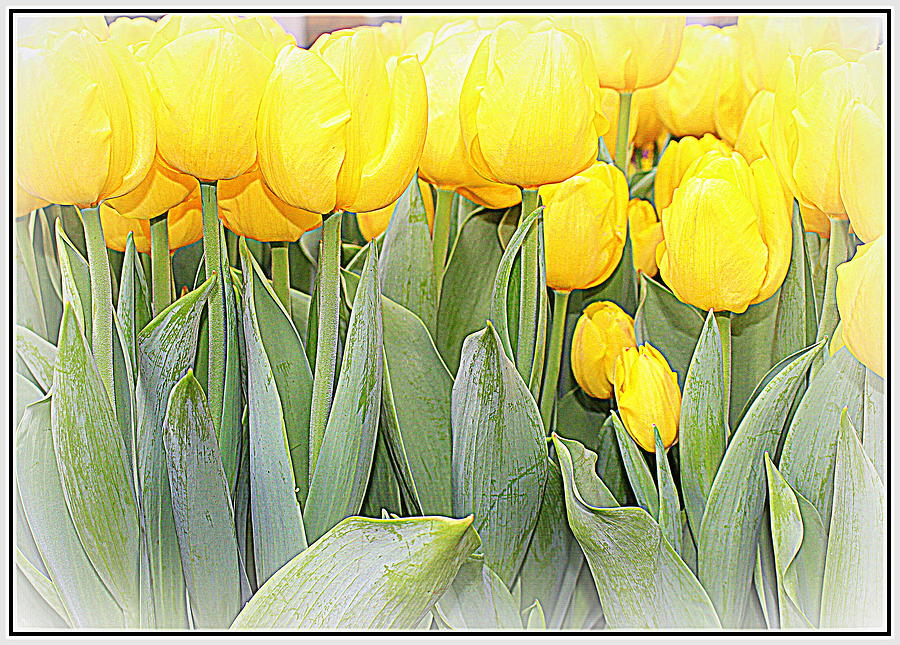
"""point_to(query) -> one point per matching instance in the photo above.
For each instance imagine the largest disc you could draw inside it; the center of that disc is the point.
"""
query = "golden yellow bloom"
(647, 395)
(861, 290)
(602, 332)
(759, 113)
(83, 120)
(445, 57)
(630, 51)
(677, 158)
(184, 221)
(131, 31)
(529, 107)
(727, 234)
(34, 31)
(163, 188)
(25, 202)
(374, 223)
(734, 94)
(265, 34)
(646, 234)
(393, 38)
(250, 209)
(322, 153)
(584, 227)
(208, 80)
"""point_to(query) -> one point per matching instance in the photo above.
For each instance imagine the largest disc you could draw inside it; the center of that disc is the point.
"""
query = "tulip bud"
(676, 159)
(630, 52)
(759, 113)
(163, 188)
(861, 290)
(250, 209)
(445, 57)
(184, 222)
(646, 234)
(530, 118)
(734, 94)
(374, 223)
(25, 202)
(584, 227)
(727, 234)
(647, 395)
(601, 333)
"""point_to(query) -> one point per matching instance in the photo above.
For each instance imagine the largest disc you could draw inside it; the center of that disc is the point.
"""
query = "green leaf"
(499, 452)
(38, 355)
(47, 273)
(874, 425)
(477, 599)
(86, 598)
(364, 574)
(389, 424)
(752, 339)
(26, 394)
(201, 504)
(75, 279)
(535, 619)
(339, 482)
(636, 468)
(229, 425)
(30, 310)
(795, 321)
(642, 582)
(383, 492)
(853, 590)
(93, 468)
(133, 307)
(839, 250)
(42, 584)
(702, 429)
(730, 527)
(669, 504)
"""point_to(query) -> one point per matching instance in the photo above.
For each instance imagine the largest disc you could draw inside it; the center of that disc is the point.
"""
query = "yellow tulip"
(83, 120)
(374, 223)
(861, 290)
(445, 57)
(647, 395)
(184, 223)
(131, 31)
(393, 38)
(759, 113)
(322, 153)
(727, 234)
(529, 106)
(677, 158)
(265, 34)
(25, 202)
(862, 156)
(646, 234)
(584, 227)
(601, 333)
(414, 25)
(250, 209)
(34, 31)
(733, 94)
(163, 188)
(630, 51)
(644, 126)
(207, 81)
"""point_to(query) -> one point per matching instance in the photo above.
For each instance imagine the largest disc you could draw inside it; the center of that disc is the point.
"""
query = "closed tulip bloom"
(861, 290)
(445, 57)
(584, 227)
(184, 223)
(83, 120)
(265, 34)
(630, 52)
(734, 94)
(131, 31)
(25, 202)
(162, 189)
(603, 331)
(677, 158)
(759, 113)
(374, 223)
(647, 395)
(250, 209)
(34, 31)
(727, 234)
(646, 233)
(529, 106)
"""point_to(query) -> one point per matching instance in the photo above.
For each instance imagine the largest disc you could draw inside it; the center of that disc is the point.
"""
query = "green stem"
(723, 320)
(622, 132)
(554, 356)
(101, 298)
(441, 236)
(528, 289)
(212, 257)
(329, 294)
(160, 268)
(231, 245)
(281, 273)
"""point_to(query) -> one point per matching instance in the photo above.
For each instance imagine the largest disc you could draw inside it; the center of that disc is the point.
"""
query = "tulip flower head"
(734, 94)
(646, 233)
(161, 189)
(759, 113)
(647, 395)
(677, 158)
(25, 202)
(601, 334)
(184, 223)
(131, 31)
(861, 290)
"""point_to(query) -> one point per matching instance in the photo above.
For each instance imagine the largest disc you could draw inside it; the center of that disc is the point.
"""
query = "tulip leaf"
(30, 307)
(702, 429)
(839, 250)
(808, 456)
(534, 618)
(465, 295)
(26, 394)
(338, 485)
(42, 584)
(47, 268)
(730, 527)
(75, 279)
(752, 338)
(799, 542)
(87, 600)
(585, 611)
(669, 504)
(405, 265)
(166, 349)
(229, 423)
(853, 589)
(636, 468)
(94, 469)
(641, 580)
(364, 574)
(396, 450)
(133, 307)
(874, 425)
(383, 492)
(795, 320)
(38, 354)
(668, 324)
(477, 599)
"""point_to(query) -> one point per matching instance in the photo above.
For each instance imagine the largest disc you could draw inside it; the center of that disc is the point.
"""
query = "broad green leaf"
(477, 599)
(669, 504)
(383, 492)
(201, 505)
(86, 598)
(499, 452)
(42, 584)
(642, 582)
(389, 423)
(534, 618)
(853, 589)
(839, 250)
(795, 321)
(752, 339)
(229, 426)
(364, 574)
(702, 430)
(166, 349)
(38, 355)
(636, 468)
(26, 393)
(339, 482)
(133, 307)
(30, 309)
(75, 279)
(730, 527)
(47, 273)
(584, 612)
(93, 468)
(874, 426)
